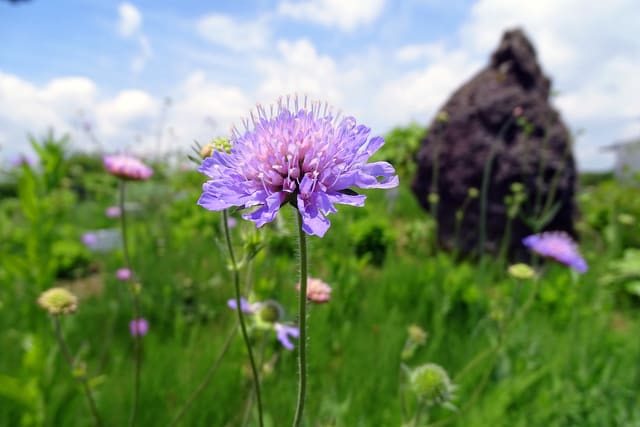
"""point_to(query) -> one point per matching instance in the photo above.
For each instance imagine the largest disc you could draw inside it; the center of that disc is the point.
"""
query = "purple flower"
(139, 327)
(113, 212)
(266, 315)
(298, 154)
(558, 246)
(284, 332)
(244, 305)
(123, 274)
(89, 239)
(127, 167)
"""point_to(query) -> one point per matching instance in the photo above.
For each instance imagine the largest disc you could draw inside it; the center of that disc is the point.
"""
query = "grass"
(572, 359)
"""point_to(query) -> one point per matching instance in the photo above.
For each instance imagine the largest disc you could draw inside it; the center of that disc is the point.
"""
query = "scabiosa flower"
(127, 167)
(139, 327)
(298, 154)
(431, 384)
(317, 290)
(123, 274)
(558, 246)
(521, 271)
(58, 301)
(113, 212)
(268, 315)
(89, 239)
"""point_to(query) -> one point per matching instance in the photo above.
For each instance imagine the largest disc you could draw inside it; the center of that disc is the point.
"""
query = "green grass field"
(558, 350)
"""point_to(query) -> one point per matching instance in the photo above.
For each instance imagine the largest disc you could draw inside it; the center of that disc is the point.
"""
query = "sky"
(152, 75)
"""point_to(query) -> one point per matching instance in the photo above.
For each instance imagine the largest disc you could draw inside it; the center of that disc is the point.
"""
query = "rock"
(500, 122)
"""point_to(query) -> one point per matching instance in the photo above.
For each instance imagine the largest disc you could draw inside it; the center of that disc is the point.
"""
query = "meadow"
(556, 349)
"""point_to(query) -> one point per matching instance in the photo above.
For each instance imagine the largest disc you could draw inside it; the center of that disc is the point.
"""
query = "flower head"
(127, 167)
(521, 271)
(268, 315)
(58, 301)
(89, 239)
(431, 384)
(558, 246)
(139, 327)
(296, 153)
(123, 274)
(284, 332)
(113, 212)
(317, 290)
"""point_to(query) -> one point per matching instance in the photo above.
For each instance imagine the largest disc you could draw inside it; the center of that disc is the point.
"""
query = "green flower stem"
(83, 379)
(419, 411)
(302, 319)
(207, 379)
(136, 307)
(243, 328)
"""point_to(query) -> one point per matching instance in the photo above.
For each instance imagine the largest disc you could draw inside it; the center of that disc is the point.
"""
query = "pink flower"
(89, 239)
(127, 167)
(317, 290)
(123, 274)
(113, 212)
(139, 327)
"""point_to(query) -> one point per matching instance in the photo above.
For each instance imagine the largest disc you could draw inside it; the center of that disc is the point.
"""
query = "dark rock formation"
(500, 123)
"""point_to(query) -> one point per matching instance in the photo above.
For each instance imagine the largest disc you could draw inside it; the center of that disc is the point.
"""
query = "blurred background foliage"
(559, 350)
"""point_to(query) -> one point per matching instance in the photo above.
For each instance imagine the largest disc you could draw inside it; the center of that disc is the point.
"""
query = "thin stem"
(484, 189)
(419, 410)
(302, 319)
(243, 328)
(136, 307)
(207, 378)
(83, 379)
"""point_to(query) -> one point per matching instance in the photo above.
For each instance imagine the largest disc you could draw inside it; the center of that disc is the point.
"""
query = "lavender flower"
(266, 316)
(558, 246)
(127, 167)
(139, 327)
(123, 274)
(89, 239)
(283, 332)
(298, 154)
(113, 212)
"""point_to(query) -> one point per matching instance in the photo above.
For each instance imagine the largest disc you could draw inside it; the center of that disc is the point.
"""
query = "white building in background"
(627, 160)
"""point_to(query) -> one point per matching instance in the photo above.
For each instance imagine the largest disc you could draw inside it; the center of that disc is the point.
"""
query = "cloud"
(415, 52)
(346, 15)
(201, 109)
(129, 20)
(225, 31)
(130, 28)
(418, 94)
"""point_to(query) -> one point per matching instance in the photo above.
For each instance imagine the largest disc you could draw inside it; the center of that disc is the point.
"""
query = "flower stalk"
(82, 378)
(136, 307)
(302, 319)
(243, 328)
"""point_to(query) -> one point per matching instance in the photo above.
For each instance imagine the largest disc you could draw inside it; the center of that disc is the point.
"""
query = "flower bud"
(521, 271)
(58, 301)
(431, 384)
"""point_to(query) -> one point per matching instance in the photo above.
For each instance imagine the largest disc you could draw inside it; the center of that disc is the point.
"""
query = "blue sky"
(112, 65)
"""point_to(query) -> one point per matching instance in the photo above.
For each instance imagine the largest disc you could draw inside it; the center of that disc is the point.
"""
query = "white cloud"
(415, 52)
(299, 68)
(418, 94)
(225, 31)
(129, 20)
(130, 27)
(128, 119)
(346, 15)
